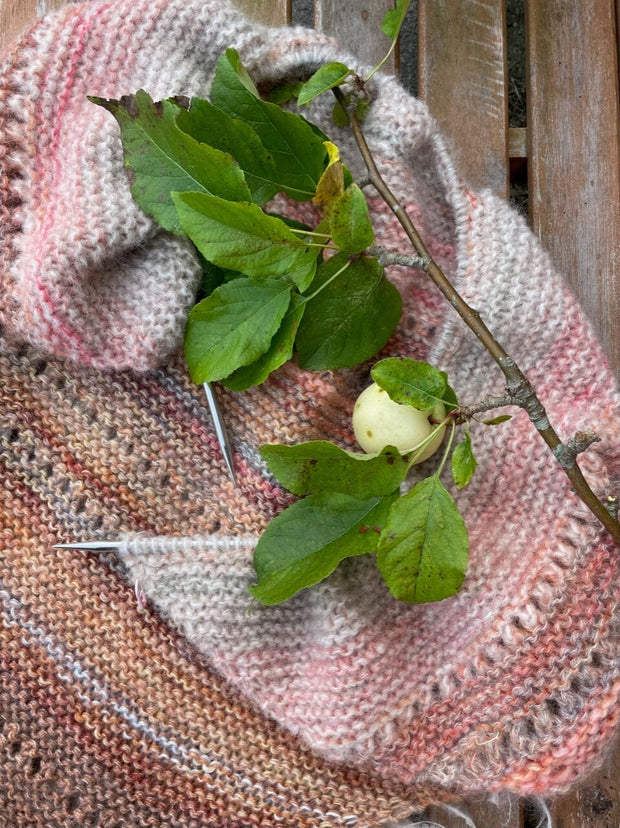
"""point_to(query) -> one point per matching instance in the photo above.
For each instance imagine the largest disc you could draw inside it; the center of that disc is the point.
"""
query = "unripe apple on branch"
(378, 421)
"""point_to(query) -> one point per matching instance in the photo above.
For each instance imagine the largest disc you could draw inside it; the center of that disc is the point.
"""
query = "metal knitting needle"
(89, 546)
(224, 442)
(220, 428)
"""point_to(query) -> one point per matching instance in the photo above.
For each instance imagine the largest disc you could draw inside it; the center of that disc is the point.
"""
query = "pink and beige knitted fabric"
(194, 706)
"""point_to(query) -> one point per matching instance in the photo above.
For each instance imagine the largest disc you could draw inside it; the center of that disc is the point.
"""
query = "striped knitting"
(341, 707)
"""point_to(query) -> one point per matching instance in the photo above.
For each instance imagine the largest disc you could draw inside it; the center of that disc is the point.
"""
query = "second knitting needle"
(220, 428)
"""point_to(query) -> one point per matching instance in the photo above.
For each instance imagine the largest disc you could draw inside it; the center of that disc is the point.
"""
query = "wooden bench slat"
(504, 811)
(618, 31)
(574, 147)
(269, 12)
(16, 17)
(574, 196)
(595, 803)
(462, 77)
(357, 25)
(517, 142)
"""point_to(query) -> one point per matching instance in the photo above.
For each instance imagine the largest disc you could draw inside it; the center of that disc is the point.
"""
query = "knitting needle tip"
(88, 546)
(220, 429)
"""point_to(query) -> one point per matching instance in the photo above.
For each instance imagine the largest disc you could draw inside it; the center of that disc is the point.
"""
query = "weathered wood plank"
(500, 811)
(595, 803)
(270, 12)
(463, 78)
(618, 28)
(15, 17)
(574, 147)
(574, 197)
(517, 142)
(357, 24)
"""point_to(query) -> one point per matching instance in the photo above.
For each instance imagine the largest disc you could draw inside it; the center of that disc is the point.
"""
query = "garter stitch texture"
(341, 707)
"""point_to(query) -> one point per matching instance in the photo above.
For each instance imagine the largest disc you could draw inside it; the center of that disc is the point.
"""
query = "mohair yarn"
(174, 704)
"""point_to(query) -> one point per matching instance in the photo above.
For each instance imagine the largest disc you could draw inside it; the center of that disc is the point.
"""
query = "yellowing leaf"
(331, 184)
(333, 153)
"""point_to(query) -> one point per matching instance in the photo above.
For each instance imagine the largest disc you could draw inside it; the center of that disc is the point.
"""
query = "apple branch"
(466, 412)
(387, 257)
(518, 386)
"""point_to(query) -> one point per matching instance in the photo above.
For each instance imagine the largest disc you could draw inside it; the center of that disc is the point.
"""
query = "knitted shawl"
(181, 702)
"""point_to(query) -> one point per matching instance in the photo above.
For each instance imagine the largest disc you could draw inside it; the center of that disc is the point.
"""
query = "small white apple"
(378, 421)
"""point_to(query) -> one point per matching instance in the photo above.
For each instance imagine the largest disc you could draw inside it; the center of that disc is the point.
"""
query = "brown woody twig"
(518, 387)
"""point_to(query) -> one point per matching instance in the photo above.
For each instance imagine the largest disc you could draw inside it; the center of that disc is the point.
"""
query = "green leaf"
(361, 108)
(233, 327)
(351, 318)
(241, 237)
(463, 462)
(283, 92)
(350, 222)
(306, 542)
(162, 159)
(423, 549)
(393, 19)
(296, 148)
(328, 76)
(339, 115)
(211, 125)
(280, 351)
(348, 177)
(323, 466)
(449, 398)
(232, 59)
(502, 418)
(213, 276)
(410, 382)
(290, 222)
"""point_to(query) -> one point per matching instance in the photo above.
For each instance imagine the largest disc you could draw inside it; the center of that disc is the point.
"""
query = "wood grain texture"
(357, 25)
(499, 811)
(574, 197)
(269, 12)
(463, 78)
(595, 803)
(618, 28)
(517, 142)
(574, 149)
(17, 15)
